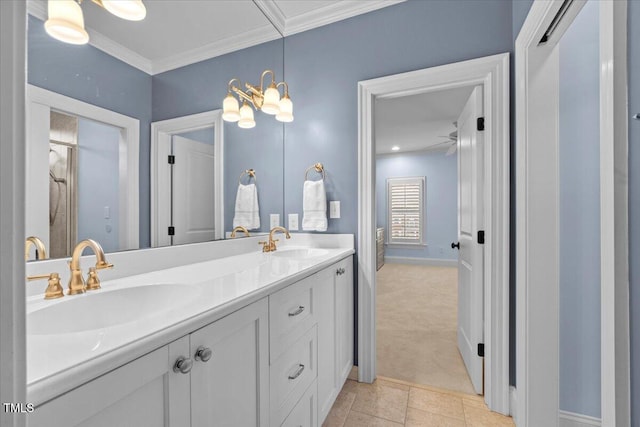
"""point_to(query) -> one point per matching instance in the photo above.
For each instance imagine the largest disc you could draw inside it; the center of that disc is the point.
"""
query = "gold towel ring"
(318, 168)
(251, 173)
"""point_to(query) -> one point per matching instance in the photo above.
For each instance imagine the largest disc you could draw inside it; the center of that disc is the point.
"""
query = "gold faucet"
(240, 228)
(41, 252)
(270, 246)
(76, 281)
(54, 290)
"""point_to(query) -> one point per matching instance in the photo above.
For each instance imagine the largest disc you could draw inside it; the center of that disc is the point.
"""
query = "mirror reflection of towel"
(314, 206)
(247, 210)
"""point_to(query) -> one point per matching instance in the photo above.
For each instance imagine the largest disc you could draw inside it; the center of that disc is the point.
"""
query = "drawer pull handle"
(298, 311)
(203, 353)
(340, 271)
(183, 365)
(297, 373)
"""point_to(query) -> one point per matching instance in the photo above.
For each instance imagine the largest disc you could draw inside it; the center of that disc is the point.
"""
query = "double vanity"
(209, 334)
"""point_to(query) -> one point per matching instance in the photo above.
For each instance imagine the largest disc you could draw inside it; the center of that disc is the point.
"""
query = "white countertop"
(60, 362)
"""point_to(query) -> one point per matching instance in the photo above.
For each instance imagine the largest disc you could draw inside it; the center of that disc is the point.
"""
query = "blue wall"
(579, 166)
(98, 156)
(323, 67)
(634, 203)
(441, 204)
(202, 87)
(92, 76)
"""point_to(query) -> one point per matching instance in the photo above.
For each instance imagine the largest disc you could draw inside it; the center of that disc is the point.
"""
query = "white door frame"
(39, 103)
(537, 215)
(161, 133)
(492, 73)
(13, 383)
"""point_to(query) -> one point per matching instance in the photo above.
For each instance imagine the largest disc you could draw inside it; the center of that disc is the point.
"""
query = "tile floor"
(390, 403)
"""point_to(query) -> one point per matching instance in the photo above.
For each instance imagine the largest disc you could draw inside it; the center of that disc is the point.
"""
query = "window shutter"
(405, 210)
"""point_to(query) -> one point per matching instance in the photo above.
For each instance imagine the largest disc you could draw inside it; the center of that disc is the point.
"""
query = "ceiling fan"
(452, 140)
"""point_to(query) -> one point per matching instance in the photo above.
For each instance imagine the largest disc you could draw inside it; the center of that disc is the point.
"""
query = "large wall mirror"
(124, 135)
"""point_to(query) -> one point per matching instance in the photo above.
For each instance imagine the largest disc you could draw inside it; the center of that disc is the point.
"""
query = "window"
(405, 205)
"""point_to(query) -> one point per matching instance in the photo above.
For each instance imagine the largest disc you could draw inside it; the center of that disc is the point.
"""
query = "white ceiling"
(176, 33)
(418, 122)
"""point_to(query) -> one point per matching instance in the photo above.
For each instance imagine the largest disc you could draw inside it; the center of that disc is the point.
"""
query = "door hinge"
(172, 231)
(480, 123)
(481, 237)
(481, 350)
(172, 159)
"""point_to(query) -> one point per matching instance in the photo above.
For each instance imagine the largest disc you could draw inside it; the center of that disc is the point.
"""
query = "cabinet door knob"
(298, 311)
(183, 365)
(340, 271)
(297, 373)
(203, 353)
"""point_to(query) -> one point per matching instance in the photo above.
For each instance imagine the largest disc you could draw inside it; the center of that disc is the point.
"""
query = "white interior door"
(193, 191)
(470, 221)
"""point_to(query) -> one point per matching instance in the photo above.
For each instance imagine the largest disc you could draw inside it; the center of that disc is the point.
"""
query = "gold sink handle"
(54, 290)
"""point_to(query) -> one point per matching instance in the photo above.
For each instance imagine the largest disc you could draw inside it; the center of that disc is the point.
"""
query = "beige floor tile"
(340, 410)
(418, 418)
(481, 417)
(437, 403)
(358, 419)
(382, 399)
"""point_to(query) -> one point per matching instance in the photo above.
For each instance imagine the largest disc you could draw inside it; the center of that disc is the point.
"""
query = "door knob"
(203, 353)
(455, 245)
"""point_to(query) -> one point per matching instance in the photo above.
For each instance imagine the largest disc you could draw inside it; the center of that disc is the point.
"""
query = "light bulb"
(65, 22)
(230, 110)
(131, 10)
(246, 117)
(271, 100)
(286, 109)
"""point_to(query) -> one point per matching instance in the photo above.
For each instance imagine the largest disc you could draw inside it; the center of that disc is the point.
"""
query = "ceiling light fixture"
(66, 22)
(395, 148)
(267, 100)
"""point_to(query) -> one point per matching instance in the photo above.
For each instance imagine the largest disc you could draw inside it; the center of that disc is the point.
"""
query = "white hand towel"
(314, 206)
(247, 210)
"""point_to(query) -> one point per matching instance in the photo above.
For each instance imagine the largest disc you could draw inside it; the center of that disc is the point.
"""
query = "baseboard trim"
(432, 262)
(513, 403)
(570, 419)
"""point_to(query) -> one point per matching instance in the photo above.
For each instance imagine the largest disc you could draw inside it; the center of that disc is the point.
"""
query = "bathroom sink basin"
(300, 253)
(107, 308)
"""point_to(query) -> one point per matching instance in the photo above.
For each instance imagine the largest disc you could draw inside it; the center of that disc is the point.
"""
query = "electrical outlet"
(274, 220)
(293, 222)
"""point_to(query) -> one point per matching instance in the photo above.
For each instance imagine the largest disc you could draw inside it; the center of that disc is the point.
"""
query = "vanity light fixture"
(66, 22)
(267, 100)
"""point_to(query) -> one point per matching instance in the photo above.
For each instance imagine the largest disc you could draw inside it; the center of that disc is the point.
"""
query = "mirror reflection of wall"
(81, 206)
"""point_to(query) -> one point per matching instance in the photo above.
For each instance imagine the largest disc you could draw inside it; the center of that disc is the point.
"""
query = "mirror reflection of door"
(83, 183)
(192, 187)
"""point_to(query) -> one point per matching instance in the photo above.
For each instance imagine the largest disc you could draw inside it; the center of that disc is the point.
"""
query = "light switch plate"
(293, 222)
(274, 220)
(334, 209)
(107, 212)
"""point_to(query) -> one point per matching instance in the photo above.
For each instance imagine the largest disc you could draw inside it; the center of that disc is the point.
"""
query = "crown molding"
(330, 14)
(273, 13)
(218, 48)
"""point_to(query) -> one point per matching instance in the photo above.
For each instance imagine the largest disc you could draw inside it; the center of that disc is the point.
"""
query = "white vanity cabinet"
(335, 333)
(230, 375)
(143, 393)
(279, 361)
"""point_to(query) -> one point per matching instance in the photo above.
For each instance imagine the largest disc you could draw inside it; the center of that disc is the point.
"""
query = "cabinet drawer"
(292, 374)
(292, 311)
(304, 414)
